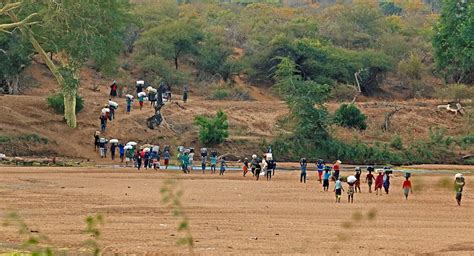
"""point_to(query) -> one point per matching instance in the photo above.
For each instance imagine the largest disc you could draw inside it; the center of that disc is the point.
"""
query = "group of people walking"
(382, 181)
(327, 172)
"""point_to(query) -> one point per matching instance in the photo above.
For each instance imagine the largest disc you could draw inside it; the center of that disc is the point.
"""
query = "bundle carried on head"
(129, 96)
(113, 104)
(351, 179)
(459, 177)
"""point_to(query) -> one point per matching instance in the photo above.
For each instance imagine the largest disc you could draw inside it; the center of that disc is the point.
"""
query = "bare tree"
(387, 119)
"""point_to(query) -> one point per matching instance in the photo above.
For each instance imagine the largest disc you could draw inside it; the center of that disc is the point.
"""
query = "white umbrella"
(351, 179)
(132, 143)
(128, 147)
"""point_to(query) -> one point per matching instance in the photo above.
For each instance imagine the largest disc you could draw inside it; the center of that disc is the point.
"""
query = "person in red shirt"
(113, 89)
(337, 168)
(379, 183)
(407, 187)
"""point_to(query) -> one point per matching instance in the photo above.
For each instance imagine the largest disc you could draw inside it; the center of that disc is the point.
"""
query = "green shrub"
(56, 102)
(220, 94)
(348, 115)
(213, 131)
(397, 143)
(229, 93)
(33, 138)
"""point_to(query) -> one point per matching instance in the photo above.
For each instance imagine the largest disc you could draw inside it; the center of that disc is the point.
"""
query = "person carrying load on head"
(152, 93)
(102, 147)
(351, 181)
(386, 180)
(370, 177)
(320, 168)
(379, 183)
(203, 159)
(254, 164)
(357, 174)
(96, 140)
(185, 162)
(303, 166)
(113, 148)
(185, 93)
(113, 107)
(113, 89)
(139, 87)
(103, 122)
(129, 101)
(223, 166)
(245, 167)
(213, 161)
(407, 185)
(337, 169)
(459, 184)
(141, 99)
(338, 190)
(166, 157)
(121, 151)
(326, 176)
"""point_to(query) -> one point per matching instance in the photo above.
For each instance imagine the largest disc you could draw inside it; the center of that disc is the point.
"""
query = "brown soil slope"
(251, 122)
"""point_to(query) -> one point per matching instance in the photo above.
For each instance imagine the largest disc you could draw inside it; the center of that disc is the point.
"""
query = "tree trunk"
(176, 62)
(70, 101)
(13, 85)
(70, 108)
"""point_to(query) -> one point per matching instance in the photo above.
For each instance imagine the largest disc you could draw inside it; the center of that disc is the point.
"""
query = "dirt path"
(235, 215)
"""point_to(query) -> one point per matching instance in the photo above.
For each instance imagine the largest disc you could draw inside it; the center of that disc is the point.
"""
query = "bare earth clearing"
(234, 215)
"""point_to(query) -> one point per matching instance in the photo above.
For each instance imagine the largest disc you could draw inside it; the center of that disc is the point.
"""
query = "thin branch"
(24, 22)
(9, 7)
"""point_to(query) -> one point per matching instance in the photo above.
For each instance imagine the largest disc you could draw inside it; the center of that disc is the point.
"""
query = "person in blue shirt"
(152, 160)
(121, 152)
(326, 176)
(338, 190)
(213, 163)
(223, 166)
(320, 167)
(303, 164)
(129, 105)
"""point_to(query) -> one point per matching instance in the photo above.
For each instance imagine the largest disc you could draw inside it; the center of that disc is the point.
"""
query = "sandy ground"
(234, 215)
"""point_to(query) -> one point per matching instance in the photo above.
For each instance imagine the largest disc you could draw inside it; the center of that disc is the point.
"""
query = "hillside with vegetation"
(359, 82)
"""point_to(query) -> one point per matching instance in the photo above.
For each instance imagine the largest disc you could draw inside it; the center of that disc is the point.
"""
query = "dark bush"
(56, 101)
(348, 115)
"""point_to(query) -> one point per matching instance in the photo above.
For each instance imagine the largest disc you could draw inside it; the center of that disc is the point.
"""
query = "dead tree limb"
(359, 90)
(387, 119)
